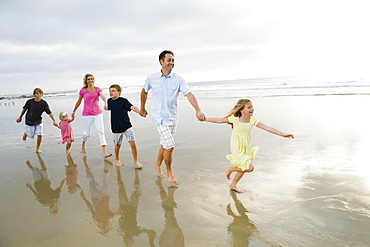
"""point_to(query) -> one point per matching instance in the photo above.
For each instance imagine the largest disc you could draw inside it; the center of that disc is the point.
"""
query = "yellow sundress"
(240, 144)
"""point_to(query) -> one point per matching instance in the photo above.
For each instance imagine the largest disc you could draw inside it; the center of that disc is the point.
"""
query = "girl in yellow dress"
(242, 120)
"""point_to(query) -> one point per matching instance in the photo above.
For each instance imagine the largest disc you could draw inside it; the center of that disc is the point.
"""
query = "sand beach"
(310, 191)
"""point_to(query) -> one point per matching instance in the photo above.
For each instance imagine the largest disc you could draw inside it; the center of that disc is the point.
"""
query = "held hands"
(289, 136)
(200, 116)
(143, 112)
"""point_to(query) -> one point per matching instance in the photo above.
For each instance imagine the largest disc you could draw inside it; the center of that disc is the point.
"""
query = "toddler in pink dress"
(66, 130)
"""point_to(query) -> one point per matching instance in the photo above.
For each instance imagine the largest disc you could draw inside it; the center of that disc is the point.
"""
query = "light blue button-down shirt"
(165, 91)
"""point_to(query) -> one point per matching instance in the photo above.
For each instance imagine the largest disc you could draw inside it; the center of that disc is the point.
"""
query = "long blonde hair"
(236, 110)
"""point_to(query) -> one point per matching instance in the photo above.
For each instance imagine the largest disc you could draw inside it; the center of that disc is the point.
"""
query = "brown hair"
(38, 90)
(236, 110)
(116, 86)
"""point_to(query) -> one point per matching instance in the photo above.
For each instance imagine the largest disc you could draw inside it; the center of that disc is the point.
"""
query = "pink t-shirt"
(91, 102)
(66, 130)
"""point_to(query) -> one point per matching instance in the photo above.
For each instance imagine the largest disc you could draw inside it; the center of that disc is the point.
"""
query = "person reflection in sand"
(99, 207)
(128, 211)
(241, 228)
(172, 234)
(43, 191)
(72, 175)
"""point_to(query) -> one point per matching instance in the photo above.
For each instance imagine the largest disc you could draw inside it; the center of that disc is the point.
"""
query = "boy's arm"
(52, 118)
(143, 98)
(19, 119)
(217, 120)
(274, 131)
(135, 109)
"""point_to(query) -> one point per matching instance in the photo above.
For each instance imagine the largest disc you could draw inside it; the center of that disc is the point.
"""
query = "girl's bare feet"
(236, 189)
(38, 151)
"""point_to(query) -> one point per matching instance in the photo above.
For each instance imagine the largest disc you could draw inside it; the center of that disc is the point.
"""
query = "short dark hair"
(116, 86)
(163, 54)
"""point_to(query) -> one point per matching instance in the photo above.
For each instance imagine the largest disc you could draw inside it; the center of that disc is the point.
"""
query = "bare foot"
(24, 137)
(159, 171)
(236, 189)
(138, 165)
(107, 156)
(172, 179)
(228, 172)
(118, 163)
(83, 148)
(68, 152)
(38, 151)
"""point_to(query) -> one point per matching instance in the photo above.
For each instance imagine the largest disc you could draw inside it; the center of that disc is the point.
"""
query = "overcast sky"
(52, 43)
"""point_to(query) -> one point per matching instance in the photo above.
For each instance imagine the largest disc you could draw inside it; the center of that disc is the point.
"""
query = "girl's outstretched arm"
(274, 131)
(217, 120)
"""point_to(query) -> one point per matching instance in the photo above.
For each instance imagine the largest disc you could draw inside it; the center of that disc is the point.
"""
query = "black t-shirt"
(35, 110)
(119, 119)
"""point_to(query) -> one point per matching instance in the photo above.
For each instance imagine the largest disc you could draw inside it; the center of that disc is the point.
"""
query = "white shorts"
(31, 131)
(167, 135)
(118, 137)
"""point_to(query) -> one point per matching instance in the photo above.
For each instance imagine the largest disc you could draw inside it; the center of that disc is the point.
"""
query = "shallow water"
(311, 191)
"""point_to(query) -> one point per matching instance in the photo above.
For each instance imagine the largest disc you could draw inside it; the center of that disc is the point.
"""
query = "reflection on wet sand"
(43, 191)
(128, 227)
(99, 207)
(242, 227)
(72, 175)
(172, 234)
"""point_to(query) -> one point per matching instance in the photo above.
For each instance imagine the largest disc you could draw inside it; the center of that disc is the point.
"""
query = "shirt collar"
(162, 75)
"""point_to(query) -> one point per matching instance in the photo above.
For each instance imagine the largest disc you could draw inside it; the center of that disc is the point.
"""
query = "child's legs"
(117, 149)
(99, 124)
(236, 179)
(130, 136)
(39, 133)
(68, 146)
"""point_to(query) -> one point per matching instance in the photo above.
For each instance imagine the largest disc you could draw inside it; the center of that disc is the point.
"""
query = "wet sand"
(311, 191)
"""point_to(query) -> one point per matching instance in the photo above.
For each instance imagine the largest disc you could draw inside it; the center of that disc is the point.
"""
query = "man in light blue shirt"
(166, 87)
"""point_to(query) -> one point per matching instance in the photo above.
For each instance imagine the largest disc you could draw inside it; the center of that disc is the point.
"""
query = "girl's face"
(65, 117)
(248, 109)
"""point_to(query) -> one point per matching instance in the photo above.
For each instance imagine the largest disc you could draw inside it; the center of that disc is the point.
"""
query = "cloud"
(52, 44)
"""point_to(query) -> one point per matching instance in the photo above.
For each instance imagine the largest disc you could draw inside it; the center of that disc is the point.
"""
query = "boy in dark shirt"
(34, 108)
(120, 123)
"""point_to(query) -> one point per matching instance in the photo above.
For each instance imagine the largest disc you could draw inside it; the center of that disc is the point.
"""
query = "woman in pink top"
(91, 113)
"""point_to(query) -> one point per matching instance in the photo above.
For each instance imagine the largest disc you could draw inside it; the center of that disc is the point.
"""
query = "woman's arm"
(217, 120)
(274, 131)
(104, 99)
(78, 103)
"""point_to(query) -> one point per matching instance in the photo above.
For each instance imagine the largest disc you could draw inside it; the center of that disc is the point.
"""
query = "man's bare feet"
(228, 172)
(159, 171)
(172, 179)
(236, 189)
(138, 165)
(24, 137)
(118, 163)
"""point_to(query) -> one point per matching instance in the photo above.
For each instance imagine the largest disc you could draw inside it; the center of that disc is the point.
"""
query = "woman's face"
(90, 80)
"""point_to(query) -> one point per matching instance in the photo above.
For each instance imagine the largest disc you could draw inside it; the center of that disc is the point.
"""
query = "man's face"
(168, 63)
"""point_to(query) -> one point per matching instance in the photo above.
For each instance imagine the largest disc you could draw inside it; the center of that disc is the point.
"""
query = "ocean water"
(258, 87)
